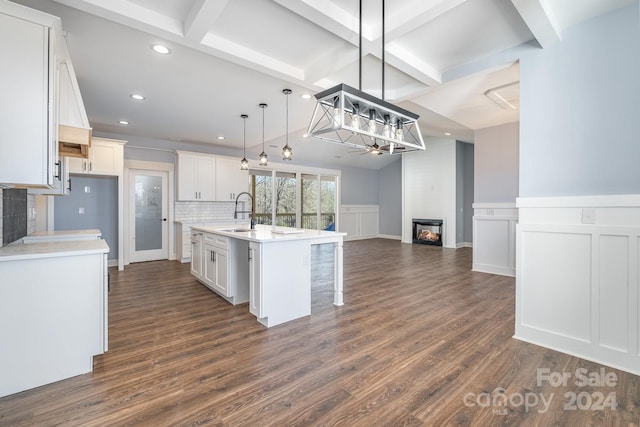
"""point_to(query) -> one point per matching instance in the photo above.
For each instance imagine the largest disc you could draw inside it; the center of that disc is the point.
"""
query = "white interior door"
(149, 207)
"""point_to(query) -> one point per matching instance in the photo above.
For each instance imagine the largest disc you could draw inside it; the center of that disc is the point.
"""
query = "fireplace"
(427, 231)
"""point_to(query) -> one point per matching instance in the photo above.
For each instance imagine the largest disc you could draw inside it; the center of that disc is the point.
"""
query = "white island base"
(279, 266)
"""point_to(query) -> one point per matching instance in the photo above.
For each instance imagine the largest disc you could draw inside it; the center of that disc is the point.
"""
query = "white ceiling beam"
(495, 61)
(540, 21)
(201, 18)
(329, 17)
(236, 53)
(413, 15)
(411, 65)
(129, 14)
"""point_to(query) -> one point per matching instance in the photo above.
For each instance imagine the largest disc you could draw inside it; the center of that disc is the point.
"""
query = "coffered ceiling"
(227, 56)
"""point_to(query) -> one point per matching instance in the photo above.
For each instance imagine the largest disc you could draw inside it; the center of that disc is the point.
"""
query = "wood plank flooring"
(420, 341)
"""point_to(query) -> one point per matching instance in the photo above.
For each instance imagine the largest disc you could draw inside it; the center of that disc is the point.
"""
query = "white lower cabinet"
(196, 248)
(53, 312)
(222, 265)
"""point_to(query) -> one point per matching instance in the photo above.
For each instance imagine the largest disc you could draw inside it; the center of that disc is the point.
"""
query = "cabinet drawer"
(217, 241)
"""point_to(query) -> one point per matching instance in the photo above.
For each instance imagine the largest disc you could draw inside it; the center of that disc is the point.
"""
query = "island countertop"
(271, 234)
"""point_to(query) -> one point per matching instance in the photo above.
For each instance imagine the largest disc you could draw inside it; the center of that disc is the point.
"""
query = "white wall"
(429, 187)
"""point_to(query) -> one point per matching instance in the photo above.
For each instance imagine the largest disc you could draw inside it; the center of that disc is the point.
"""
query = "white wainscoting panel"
(577, 281)
(494, 238)
(358, 221)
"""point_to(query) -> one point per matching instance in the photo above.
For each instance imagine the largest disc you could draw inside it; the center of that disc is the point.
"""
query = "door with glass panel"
(149, 227)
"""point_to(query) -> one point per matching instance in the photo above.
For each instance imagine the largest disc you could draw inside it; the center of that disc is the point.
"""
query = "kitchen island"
(270, 267)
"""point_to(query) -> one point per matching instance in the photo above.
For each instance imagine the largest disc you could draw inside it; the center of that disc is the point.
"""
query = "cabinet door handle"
(59, 175)
(249, 255)
(69, 184)
(213, 256)
(84, 165)
(90, 166)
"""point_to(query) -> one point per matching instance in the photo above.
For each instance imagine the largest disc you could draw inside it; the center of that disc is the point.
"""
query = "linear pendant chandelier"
(351, 117)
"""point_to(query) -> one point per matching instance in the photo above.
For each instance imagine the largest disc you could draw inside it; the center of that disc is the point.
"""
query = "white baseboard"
(464, 245)
(494, 269)
(389, 236)
(112, 262)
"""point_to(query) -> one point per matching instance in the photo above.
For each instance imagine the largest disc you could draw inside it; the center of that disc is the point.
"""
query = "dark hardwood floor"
(421, 340)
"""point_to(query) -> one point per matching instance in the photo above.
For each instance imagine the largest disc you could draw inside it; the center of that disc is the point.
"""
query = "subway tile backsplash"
(204, 211)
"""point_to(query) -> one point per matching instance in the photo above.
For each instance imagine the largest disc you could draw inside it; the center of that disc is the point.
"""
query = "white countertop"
(19, 251)
(66, 233)
(263, 233)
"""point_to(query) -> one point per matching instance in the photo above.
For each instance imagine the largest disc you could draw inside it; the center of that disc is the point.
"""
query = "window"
(294, 199)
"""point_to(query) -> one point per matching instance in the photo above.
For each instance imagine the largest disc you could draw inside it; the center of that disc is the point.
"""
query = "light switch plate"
(588, 215)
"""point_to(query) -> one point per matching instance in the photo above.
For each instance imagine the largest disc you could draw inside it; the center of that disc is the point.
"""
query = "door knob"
(164, 219)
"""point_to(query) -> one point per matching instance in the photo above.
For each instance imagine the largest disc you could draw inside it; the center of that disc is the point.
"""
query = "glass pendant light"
(287, 152)
(244, 163)
(263, 155)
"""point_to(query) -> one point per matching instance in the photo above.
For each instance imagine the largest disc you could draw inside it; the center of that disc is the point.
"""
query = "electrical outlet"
(588, 215)
(81, 211)
(87, 189)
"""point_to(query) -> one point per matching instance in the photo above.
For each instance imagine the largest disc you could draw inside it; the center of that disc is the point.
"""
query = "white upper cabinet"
(230, 179)
(196, 177)
(28, 82)
(42, 116)
(106, 157)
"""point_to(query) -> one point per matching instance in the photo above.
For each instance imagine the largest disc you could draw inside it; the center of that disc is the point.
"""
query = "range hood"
(74, 141)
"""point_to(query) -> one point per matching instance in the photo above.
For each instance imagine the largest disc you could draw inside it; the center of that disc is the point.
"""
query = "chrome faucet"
(252, 211)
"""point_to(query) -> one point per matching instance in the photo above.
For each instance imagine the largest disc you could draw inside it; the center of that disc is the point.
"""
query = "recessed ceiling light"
(137, 96)
(273, 146)
(337, 157)
(448, 133)
(305, 96)
(162, 50)
(221, 137)
(123, 122)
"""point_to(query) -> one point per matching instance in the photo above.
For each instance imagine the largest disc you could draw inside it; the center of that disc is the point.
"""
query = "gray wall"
(496, 164)
(580, 130)
(359, 186)
(100, 208)
(464, 192)
(390, 199)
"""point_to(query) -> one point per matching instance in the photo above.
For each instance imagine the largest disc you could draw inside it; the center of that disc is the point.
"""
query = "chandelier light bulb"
(399, 131)
(386, 130)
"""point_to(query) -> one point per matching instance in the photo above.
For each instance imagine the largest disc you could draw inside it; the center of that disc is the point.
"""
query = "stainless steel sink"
(237, 230)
